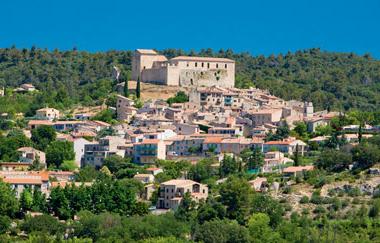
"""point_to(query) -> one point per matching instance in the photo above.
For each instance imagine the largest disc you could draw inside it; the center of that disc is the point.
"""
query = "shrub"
(319, 210)
(43, 223)
(316, 198)
(287, 190)
(5, 223)
(354, 192)
(304, 199)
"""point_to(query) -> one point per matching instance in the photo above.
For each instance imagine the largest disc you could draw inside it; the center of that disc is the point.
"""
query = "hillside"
(339, 81)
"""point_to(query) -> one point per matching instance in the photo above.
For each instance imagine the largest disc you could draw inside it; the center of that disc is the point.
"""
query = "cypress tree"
(126, 88)
(296, 156)
(138, 88)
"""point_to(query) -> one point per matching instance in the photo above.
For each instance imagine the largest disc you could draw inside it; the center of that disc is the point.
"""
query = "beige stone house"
(172, 192)
(47, 113)
(29, 155)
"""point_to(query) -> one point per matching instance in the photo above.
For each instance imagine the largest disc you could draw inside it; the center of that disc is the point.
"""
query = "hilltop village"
(171, 146)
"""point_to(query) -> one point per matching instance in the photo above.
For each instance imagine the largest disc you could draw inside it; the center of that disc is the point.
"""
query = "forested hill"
(331, 80)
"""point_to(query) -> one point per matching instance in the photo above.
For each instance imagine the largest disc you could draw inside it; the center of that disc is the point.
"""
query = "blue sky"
(259, 27)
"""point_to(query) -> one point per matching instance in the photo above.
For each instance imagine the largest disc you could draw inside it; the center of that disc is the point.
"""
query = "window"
(144, 67)
(225, 66)
(208, 65)
(202, 64)
(187, 64)
(196, 64)
(217, 65)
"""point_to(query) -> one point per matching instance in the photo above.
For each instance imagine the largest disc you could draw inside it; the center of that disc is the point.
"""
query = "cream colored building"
(151, 67)
(172, 192)
(47, 113)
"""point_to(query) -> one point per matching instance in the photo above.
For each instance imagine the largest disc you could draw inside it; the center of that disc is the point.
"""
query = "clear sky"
(259, 27)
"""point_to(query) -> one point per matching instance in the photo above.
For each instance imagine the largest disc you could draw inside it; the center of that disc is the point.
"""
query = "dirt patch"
(155, 91)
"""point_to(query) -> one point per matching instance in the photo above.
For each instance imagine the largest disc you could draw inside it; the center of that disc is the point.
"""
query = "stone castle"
(151, 67)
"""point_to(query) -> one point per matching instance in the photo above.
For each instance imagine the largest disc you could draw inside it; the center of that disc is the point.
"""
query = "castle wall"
(182, 71)
(155, 75)
(206, 74)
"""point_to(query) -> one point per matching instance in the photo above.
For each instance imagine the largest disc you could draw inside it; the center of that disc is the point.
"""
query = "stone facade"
(182, 70)
(172, 192)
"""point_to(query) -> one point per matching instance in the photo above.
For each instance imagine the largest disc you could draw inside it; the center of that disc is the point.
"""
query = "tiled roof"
(17, 180)
(213, 140)
(293, 169)
(177, 182)
(278, 143)
(40, 122)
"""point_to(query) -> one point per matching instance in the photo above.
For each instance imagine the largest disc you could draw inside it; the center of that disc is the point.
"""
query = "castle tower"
(308, 109)
(144, 59)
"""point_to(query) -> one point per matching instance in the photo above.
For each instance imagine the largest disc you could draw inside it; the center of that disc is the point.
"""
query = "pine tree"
(138, 88)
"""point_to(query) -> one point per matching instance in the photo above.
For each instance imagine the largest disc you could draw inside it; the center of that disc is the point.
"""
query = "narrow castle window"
(144, 67)
(208, 65)
(217, 65)
(187, 64)
(202, 64)
(225, 66)
(196, 64)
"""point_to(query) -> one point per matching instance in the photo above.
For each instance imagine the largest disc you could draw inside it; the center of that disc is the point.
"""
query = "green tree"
(42, 136)
(8, 202)
(86, 174)
(59, 204)
(180, 97)
(252, 158)
(334, 160)
(228, 166)
(106, 115)
(10, 143)
(26, 200)
(296, 156)
(186, 209)
(209, 211)
(301, 129)
(236, 194)
(262, 203)
(44, 223)
(59, 151)
(201, 171)
(366, 155)
(5, 224)
(39, 201)
(259, 228)
(221, 231)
